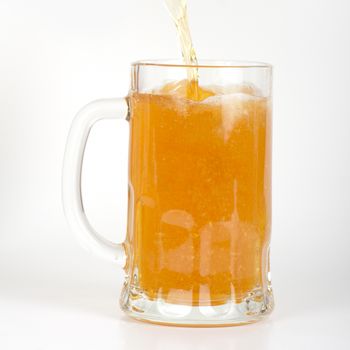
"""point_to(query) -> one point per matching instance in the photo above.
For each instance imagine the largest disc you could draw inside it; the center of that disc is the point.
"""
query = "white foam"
(230, 99)
(246, 88)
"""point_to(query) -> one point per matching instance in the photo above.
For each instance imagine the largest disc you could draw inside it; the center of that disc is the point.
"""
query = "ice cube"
(233, 107)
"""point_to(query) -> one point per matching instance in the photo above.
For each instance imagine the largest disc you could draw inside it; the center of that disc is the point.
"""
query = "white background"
(55, 56)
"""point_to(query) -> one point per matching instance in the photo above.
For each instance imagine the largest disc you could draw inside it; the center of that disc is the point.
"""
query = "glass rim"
(206, 63)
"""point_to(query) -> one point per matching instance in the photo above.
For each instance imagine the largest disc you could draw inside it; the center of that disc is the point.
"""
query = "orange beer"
(200, 201)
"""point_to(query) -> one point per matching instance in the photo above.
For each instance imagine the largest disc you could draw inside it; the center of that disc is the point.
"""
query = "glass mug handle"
(114, 108)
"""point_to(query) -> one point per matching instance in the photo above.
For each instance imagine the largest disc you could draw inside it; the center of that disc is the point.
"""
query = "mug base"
(253, 309)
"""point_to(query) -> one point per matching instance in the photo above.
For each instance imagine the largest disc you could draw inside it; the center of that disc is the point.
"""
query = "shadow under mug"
(196, 251)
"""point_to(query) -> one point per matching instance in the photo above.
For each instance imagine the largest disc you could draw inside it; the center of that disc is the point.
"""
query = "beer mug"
(196, 251)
